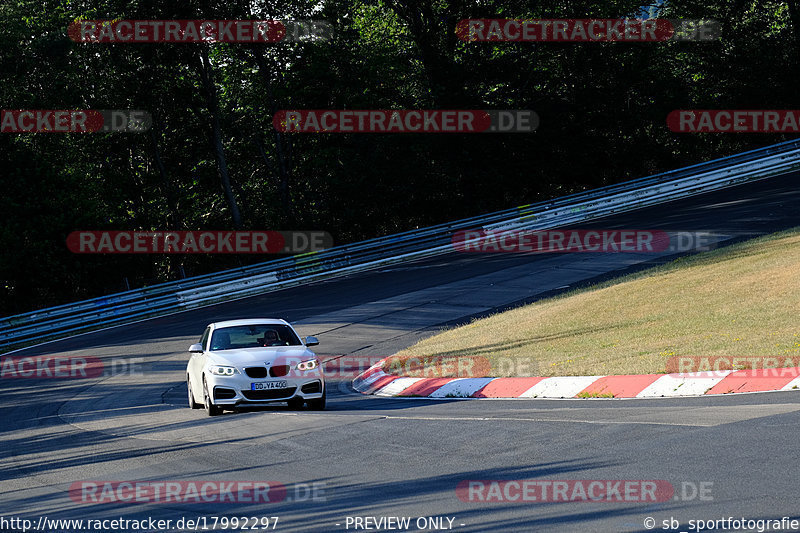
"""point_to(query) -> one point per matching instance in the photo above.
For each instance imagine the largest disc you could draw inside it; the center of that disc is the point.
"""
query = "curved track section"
(374, 457)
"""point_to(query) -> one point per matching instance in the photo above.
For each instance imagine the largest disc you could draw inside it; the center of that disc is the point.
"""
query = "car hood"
(259, 356)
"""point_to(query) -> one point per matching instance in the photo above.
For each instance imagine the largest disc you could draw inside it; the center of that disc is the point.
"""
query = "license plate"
(266, 385)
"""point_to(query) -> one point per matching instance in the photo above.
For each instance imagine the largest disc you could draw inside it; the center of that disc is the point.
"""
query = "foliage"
(602, 110)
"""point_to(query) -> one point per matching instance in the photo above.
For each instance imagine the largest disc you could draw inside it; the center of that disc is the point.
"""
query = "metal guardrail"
(176, 296)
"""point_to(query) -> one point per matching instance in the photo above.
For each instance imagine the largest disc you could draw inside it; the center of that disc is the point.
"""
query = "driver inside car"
(270, 338)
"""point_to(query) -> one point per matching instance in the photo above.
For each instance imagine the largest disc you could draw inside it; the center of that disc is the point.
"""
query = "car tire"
(192, 404)
(295, 403)
(319, 403)
(211, 409)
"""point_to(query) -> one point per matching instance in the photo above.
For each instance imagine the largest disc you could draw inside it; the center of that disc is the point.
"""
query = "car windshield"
(253, 336)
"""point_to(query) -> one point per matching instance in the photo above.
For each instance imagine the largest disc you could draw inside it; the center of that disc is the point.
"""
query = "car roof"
(247, 322)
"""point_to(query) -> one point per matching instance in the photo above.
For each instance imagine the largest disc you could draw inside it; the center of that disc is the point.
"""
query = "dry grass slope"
(741, 301)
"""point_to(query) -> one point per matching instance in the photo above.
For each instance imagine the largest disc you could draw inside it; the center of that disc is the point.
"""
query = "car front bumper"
(241, 389)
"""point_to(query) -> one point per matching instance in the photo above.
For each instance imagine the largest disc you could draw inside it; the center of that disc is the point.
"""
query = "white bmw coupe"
(253, 362)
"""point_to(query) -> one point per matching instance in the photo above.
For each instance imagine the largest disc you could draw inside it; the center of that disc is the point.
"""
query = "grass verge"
(738, 301)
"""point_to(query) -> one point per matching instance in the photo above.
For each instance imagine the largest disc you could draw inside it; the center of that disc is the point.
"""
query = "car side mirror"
(312, 341)
(196, 348)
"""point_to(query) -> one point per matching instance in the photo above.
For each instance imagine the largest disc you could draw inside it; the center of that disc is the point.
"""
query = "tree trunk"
(169, 189)
(794, 14)
(283, 162)
(210, 92)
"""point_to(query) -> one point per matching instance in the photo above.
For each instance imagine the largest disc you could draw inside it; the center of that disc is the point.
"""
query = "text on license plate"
(265, 385)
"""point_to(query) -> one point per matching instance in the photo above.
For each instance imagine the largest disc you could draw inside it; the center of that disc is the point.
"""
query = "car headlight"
(307, 365)
(223, 370)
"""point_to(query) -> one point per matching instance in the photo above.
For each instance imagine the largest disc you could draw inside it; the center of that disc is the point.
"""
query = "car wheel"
(295, 403)
(211, 409)
(319, 403)
(192, 404)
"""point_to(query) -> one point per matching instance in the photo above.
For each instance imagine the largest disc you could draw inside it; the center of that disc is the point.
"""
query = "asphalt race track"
(373, 457)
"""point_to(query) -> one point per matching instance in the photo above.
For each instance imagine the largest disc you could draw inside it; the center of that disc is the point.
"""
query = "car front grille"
(221, 393)
(270, 394)
(278, 371)
(312, 388)
(256, 372)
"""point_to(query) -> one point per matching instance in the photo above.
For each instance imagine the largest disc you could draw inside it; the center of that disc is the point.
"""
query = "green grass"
(742, 300)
